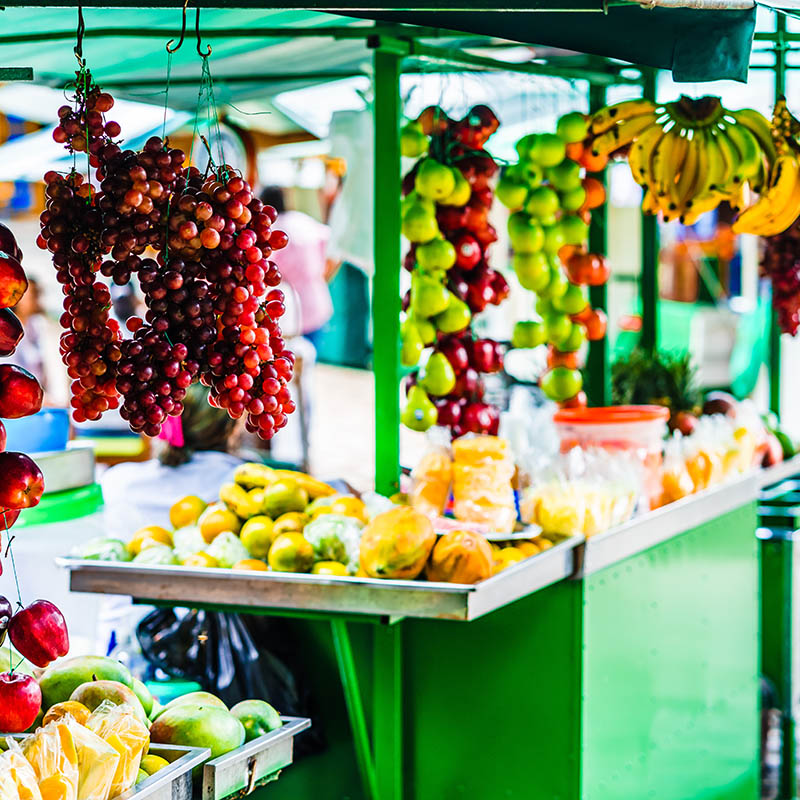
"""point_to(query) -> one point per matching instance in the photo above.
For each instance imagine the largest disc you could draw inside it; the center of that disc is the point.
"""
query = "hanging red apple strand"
(211, 296)
(445, 217)
(551, 202)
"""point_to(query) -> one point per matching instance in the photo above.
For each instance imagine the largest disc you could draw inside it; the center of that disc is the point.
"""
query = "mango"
(152, 764)
(93, 693)
(78, 711)
(143, 693)
(258, 718)
(63, 677)
(141, 775)
(193, 725)
(193, 698)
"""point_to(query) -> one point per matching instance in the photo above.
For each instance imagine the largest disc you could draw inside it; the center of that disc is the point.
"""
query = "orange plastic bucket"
(638, 430)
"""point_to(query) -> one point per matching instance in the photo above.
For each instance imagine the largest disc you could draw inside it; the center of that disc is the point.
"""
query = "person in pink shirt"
(303, 263)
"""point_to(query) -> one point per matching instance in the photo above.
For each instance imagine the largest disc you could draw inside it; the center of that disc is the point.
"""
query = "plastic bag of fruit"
(430, 482)
(53, 754)
(335, 537)
(98, 762)
(121, 728)
(8, 787)
(16, 768)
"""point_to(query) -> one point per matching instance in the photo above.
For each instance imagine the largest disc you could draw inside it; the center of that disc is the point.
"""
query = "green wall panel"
(671, 669)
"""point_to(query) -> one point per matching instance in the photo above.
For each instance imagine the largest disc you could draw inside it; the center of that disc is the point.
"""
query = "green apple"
(565, 175)
(411, 346)
(533, 173)
(543, 306)
(554, 238)
(419, 223)
(429, 296)
(573, 301)
(556, 286)
(557, 327)
(511, 193)
(461, 192)
(575, 230)
(436, 254)
(413, 142)
(526, 144)
(440, 377)
(528, 333)
(456, 317)
(561, 383)
(542, 202)
(573, 199)
(532, 270)
(573, 127)
(576, 338)
(547, 150)
(525, 233)
(434, 180)
(419, 413)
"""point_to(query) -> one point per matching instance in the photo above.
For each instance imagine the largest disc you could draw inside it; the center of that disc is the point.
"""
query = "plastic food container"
(639, 430)
(43, 432)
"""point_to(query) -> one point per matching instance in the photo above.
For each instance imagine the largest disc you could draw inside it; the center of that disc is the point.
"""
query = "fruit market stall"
(568, 630)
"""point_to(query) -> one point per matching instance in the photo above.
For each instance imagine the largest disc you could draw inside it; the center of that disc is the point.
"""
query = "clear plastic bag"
(120, 727)
(97, 763)
(21, 772)
(8, 787)
(52, 753)
(430, 482)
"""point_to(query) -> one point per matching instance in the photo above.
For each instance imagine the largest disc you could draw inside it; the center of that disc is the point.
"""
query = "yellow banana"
(740, 197)
(314, 487)
(622, 134)
(778, 204)
(650, 162)
(238, 500)
(730, 159)
(747, 146)
(673, 160)
(253, 475)
(701, 204)
(639, 154)
(649, 202)
(757, 124)
(687, 178)
(609, 116)
(716, 163)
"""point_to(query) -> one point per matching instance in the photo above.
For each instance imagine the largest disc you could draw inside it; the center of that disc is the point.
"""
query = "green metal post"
(355, 707)
(648, 284)
(386, 283)
(597, 366)
(774, 354)
(388, 710)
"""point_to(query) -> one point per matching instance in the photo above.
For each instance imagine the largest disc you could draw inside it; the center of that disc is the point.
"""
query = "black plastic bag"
(227, 656)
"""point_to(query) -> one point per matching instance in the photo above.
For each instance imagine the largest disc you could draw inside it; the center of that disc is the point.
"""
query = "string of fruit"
(213, 306)
(447, 197)
(37, 631)
(688, 155)
(551, 197)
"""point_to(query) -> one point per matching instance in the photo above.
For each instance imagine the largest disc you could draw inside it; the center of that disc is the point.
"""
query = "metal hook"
(79, 37)
(197, 31)
(183, 31)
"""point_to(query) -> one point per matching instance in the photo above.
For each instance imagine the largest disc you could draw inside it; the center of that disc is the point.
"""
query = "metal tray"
(780, 472)
(184, 586)
(253, 764)
(170, 783)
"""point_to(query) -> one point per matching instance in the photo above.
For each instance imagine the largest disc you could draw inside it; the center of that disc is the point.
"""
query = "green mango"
(63, 677)
(145, 698)
(257, 717)
(193, 725)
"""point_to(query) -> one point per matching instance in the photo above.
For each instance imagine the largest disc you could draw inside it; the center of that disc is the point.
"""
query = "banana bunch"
(778, 205)
(258, 476)
(688, 155)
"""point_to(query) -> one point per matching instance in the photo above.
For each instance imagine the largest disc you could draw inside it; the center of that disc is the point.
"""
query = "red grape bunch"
(781, 263)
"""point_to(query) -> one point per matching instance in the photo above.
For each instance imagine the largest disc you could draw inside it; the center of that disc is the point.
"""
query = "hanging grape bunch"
(213, 308)
(551, 199)
(447, 197)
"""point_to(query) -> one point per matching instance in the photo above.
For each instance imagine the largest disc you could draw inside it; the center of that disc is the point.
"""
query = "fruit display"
(551, 195)
(688, 155)
(447, 198)
(213, 306)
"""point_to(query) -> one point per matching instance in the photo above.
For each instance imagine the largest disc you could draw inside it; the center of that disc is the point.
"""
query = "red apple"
(20, 393)
(410, 260)
(774, 452)
(13, 282)
(482, 116)
(20, 702)
(476, 418)
(468, 251)
(433, 119)
(476, 218)
(8, 516)
(486, 236)
(500, 287)
(480, 292)
(11, 332)
(455, 352)
(21, 481)
(451, 218)
(457, 284)
(484, 196)
(8, 244)
(409, 180)
(494, 425)
(468, 385)
(39, 632)
(485, 355)
(6, 612)
(449, 412)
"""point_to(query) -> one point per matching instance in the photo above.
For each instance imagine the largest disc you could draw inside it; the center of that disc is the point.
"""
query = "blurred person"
(38, 350)
(303, 263)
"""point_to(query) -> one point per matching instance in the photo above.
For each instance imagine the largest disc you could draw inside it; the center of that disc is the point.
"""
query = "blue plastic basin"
(44, 432)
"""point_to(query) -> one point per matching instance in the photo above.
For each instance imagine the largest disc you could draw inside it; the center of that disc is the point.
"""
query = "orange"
(328, 568)
(290, 521)
(290, 552)
(253, 564)
(528, 548)
(78, 711)
(199, 560)
(506, 558)
(349, 507)
(216, 519)
(186, 511)
(152, 534)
